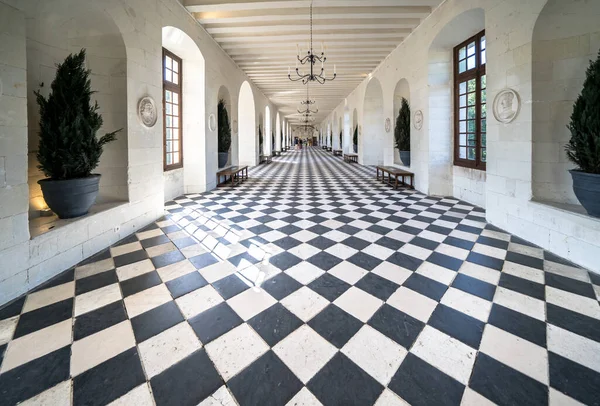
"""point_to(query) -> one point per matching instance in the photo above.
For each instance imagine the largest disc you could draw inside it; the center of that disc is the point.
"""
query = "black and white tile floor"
(310, 284)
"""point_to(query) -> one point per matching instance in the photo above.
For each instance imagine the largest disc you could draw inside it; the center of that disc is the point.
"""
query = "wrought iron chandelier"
(308, 103)
(311, 59)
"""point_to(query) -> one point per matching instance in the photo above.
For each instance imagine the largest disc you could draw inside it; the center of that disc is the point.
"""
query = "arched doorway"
(371, 147)
(402, 91)
(181, 45)
(248, 143)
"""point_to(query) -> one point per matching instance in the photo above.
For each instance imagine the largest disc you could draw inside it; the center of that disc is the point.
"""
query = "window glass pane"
(462, 139)
(471, 99)
(168, 62)
(471, 49)
(175, 134)
(471, 112)
(462, 152)
(462, 126)
(483, 82)
(175, 110)
(175, 78)
(483, 57)
(483, 126)
(483, 96)
(471, 153)
(462, 66)
(175, 66)
(483, 155)
(462, 114)
(169, 159)
(169, 133)
(484, 140)
(168, 108)
(175, 158)
(175, 146)
(169, 121)
(471, 126)
(471, 140)
(471, 85)
(484, 110)
(175, 98)
(462, 88)
(168, 76)
(167, 95)
(471, 62)
(483, 42)
(462, 101)
(169, 146)
(462, 53)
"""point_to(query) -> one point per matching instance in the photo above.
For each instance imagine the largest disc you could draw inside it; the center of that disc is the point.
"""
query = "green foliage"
(272, 140)
(355, 136)
(69, 122)
(583, 148)
(260, 139)
(341, 139)
(402, 129)
(224, 128)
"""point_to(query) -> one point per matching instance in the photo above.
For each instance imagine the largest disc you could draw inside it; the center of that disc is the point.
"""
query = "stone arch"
(561, 51)
(402, 90)
(193, 114)
(438, 123)
(372, 140)
(54, 30)
(248, 143)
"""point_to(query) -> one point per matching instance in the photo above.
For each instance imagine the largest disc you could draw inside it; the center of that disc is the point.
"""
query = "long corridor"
(309, 284)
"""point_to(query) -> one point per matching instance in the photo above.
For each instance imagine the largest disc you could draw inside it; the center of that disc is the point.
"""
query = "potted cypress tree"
(260, 141)
(583, 148)
(402, 132)
(355, 139)
(282, 139)
(223, 133)
(341, 142)
(272, 140)
(69, 150)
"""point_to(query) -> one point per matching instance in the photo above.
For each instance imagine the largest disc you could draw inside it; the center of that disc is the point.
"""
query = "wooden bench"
(324, 146)
(395, 173)
(276, 153)
(351, 158)
(328, 149)
(236, 174)
(264, 159)
(337, 152)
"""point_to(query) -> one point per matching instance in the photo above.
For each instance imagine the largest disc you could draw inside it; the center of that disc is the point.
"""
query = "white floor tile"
(174, 271)
(146, 300)
(235, 350)
(348, 272)
(160, 249)
(525, 272)
(139, 396)
(125, 248)
(222, 397)
(389, 398)
(305, 352)
(49, 296)
(378, 355)
(304, 398)
(358, 303)
(445, 353)
(489, 251)
(304, 251)
(251, 302)
(520, 303)
(571, 301)
(7, 329)
(304, 272)
(198, 301)
(574, 347)
(305, 303)
(217, 271)
(94, 268)
(96, 299)
(466, 303)
(136, 269)
(480, 272)
(472, 398)
(392, 272)
(59, 395)
(412, 303)
(436, 272)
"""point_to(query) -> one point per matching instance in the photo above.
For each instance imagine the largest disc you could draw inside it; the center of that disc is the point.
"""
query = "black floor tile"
(405, 261)
(573, 379)
(41, 318)
(335, 325)
(526, 260)
(184, 242)
(284, 260)
(321, 242)
(167, 258)
(281, 285)
(266, 382)
(487, 261)
(155, 321)
(154, 241)
(459, 243)
(342, 382)
(99, 319)
(215, 322)
(188, 382)
(445, 261)
(425, 286)
(34, 377)
(203, 260)
(287, 243)
(230, 286)
(505, 386)
(570, 285)
(458, 325)
(397, 325)
(329, 286)
(356, 243)
(364, 261)
(140, 283)
(390, 243)
(95, 282)
(523, 286)
(377, 286)
(518, 324)
(474, 286)
(424, 243)
(420, 384)
(130, 258)
(493, 242)
(275, 323)
(12, 309)
(185, 284)
(324, 260)
(62, 278)
(575, 322)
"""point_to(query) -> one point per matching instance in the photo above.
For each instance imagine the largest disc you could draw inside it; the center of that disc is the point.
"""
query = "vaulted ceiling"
(261, 37)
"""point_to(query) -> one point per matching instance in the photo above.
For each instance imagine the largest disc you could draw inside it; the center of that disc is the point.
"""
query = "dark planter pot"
(405, 157)
(223, 158)
(70, 198)
(587, 189)
(355, 148)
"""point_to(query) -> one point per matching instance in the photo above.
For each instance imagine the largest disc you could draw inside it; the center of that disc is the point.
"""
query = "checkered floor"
(310, 284)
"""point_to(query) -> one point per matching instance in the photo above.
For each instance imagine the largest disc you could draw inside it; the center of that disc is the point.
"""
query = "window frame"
(177, 88)
(475, 73)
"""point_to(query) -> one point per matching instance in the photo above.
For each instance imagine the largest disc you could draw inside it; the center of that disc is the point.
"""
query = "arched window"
(172, 78)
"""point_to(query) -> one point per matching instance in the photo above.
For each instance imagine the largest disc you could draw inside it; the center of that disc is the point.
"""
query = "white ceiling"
(261, 37)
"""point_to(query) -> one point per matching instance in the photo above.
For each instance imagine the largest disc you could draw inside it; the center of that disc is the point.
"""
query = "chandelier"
(308, 103)
(311, 59)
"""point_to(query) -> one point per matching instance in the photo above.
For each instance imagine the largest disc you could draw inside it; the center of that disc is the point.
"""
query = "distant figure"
(300, 143)
(296, 143)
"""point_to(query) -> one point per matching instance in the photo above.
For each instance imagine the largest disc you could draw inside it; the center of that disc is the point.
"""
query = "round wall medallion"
(507, 104)
(388, 125)
(235, 126)
(147, 111)
(212, 122)
(418, 119)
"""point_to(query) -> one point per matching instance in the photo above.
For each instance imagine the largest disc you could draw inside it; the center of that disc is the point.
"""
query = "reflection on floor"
(309, 284)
